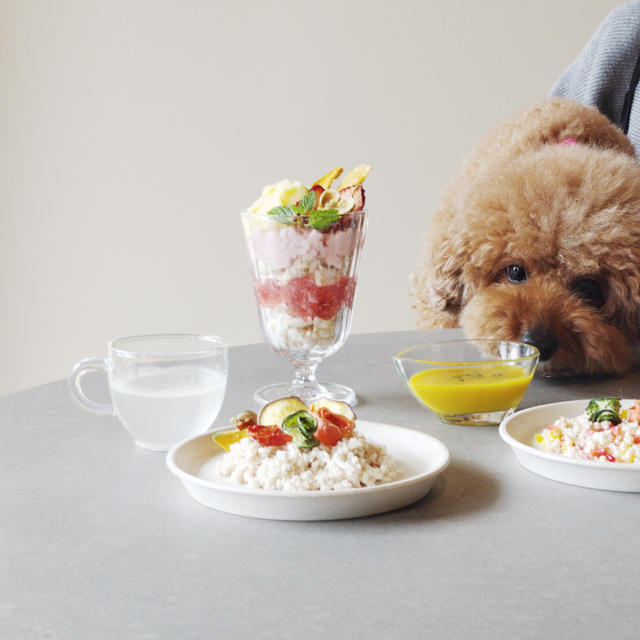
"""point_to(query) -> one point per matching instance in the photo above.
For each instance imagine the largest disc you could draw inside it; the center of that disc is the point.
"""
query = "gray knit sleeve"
(602, 73)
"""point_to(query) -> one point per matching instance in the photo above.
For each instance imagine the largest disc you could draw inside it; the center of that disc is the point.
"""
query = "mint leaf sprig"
(307, 203)
(303, 214)
(322, 220)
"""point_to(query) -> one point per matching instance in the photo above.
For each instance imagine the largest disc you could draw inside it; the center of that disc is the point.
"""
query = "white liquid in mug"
(160, 407)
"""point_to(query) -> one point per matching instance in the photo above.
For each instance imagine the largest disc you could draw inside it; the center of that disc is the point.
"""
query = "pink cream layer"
(280, 247)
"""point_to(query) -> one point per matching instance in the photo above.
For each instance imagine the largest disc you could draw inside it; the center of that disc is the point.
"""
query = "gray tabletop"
(99, 540)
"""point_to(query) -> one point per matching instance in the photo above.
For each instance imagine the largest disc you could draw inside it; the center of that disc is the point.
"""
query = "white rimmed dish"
(518, 430)
(423, 458)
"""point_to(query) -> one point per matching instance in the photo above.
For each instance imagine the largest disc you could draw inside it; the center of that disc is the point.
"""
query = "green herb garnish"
(301, 426)
(307, 203)
(322, 220)
(286, 215)
(302, 213)
(600, 409)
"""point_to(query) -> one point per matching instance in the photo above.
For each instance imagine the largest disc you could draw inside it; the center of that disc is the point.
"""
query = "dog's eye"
(590, 291)
(516, 273)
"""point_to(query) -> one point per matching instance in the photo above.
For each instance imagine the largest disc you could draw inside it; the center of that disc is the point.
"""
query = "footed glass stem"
(306, 387)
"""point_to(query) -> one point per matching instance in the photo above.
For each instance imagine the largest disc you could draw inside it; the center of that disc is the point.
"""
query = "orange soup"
(466, 390)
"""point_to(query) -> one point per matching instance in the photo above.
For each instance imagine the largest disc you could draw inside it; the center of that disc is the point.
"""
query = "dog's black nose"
(543, 340)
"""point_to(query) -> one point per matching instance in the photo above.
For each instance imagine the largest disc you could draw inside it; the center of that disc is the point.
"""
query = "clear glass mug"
(164, 387)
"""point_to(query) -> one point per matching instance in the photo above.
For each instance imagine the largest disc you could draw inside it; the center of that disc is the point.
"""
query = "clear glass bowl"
(468, 382)
(305, 280)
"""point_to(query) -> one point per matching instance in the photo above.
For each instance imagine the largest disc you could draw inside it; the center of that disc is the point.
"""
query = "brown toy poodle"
(538, 240)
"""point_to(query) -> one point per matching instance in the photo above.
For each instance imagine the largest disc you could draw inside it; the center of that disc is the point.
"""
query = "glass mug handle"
(74, 385)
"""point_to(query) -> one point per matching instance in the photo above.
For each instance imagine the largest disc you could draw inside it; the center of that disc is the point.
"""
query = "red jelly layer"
(305, 299)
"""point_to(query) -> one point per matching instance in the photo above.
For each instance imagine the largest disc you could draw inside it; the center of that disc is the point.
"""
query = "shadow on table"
(462, 489)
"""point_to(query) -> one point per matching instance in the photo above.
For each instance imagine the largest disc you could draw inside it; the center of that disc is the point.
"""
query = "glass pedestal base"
(306, 394)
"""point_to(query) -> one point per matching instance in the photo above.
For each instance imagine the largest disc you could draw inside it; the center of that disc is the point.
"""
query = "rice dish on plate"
(604, 435)
(353, 462)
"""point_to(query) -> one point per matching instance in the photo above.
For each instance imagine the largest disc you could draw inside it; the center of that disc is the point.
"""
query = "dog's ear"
(437, 283)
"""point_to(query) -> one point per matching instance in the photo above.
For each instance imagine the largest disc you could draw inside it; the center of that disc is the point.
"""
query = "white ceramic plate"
(423, 458)
(519, 429)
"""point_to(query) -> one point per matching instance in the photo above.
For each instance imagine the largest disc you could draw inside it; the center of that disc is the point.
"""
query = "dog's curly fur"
(565, 213)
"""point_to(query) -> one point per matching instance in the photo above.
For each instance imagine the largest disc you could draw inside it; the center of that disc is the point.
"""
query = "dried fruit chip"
(345, 204)
(358, 198)
(326, 181)
(329, 199)
(275, 412)
(319, 191)
(354, 177)
(335, 406)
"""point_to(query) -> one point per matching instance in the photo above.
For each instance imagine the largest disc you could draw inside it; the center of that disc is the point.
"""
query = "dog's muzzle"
(543, 340)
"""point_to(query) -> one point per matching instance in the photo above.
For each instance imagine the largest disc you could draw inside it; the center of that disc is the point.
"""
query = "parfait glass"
(305, 281)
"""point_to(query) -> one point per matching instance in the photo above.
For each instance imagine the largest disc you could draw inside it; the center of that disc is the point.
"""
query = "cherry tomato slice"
(332, 427)
(270, 436)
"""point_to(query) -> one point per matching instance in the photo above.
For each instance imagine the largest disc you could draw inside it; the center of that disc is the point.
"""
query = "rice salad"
(352, 463)
(604, 433)
(293, 447)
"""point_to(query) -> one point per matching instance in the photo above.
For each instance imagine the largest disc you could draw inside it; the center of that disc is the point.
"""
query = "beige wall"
(133, 132)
